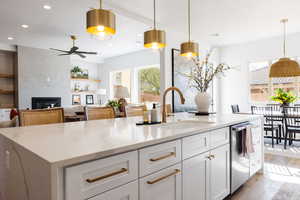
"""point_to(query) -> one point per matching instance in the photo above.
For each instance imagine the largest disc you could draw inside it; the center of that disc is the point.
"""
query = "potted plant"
(200, 77)
(284, 98)
(75, 72)
(114, 104)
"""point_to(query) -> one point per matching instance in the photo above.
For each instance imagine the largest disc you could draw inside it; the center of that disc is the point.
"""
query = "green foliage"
(283, 97)
(76, 69)
(113, 103)
(150, 80)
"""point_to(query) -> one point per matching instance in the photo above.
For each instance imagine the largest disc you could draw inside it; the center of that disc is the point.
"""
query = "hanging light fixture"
(284, 67)
(101, 22)
(189, 49)
(155, 39)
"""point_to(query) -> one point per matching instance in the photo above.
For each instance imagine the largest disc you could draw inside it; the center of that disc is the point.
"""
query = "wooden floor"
(280, 181)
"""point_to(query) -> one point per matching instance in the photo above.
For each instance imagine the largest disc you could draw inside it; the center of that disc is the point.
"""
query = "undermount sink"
(184, 123)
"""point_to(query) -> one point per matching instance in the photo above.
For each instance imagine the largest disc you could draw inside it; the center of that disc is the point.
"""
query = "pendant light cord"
(100, 4)
(189, 18)
(154, 12)
(284, 41)
(284, 21)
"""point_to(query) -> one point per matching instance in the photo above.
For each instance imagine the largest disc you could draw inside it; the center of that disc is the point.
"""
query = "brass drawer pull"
(106, 176)
(163, 157)
(164, 177)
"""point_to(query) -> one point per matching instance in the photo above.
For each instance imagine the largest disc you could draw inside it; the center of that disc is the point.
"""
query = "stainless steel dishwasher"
(240, 163)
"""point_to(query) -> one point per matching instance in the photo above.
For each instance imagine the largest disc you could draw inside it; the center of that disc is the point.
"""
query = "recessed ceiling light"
(10, 38)
(47, 7)
(25, 26)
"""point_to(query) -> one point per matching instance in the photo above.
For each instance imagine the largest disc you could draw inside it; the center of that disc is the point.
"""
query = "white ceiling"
(236, 21)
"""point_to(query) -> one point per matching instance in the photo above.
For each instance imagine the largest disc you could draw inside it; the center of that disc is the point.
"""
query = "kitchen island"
(184, 159)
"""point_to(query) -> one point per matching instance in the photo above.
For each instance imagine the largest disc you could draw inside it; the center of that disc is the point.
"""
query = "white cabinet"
(126, 192)
(256, 158)
(220, 173)
(195, 145)
(162, 185)
(159, 156)
(195, 177)
(90, 179)
(207, 176)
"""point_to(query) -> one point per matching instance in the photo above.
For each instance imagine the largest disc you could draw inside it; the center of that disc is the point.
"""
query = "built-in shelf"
(89, 92)
(86, 79)
(6, 106)
(7, 91)
(6, 76)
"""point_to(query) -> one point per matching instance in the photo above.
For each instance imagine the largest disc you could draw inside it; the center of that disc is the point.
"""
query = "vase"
(203, 100)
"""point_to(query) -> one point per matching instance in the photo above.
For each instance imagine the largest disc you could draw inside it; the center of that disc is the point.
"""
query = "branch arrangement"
(203, 72)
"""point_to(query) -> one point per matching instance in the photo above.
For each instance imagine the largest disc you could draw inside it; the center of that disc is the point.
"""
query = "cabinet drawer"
(159, 156)
(129, 191)
(162, 185)
(219, 137)
(195, 145)
(92, 178)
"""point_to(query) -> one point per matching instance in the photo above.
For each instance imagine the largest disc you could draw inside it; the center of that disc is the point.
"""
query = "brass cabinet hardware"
(176, 171)
(163, 157)
(212, 156)
(106, 176)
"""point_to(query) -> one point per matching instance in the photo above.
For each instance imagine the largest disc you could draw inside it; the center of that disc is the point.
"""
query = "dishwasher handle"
(241, 127)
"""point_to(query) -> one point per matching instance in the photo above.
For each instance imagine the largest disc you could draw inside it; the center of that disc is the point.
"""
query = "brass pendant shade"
(189, 49)
(284, 67)
(101, 22)
(155, 39)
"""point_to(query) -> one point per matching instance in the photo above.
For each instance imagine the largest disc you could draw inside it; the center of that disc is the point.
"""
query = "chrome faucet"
(164, 113)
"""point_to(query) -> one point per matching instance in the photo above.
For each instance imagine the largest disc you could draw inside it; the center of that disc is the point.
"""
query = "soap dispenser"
(154, 114)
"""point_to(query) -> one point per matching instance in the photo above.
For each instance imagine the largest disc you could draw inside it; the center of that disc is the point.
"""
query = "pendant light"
(101, 22)
(155, 39)
(285, 67)
(189, 49)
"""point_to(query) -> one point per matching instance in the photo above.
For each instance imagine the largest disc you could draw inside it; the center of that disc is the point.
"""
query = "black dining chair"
(235, 108)
(269, 122)
(292, 124)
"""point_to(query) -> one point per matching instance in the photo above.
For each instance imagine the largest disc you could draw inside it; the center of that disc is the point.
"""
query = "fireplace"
(45, 102)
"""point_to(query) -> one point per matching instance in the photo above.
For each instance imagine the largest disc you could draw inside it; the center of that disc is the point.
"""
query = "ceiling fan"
(73, 50)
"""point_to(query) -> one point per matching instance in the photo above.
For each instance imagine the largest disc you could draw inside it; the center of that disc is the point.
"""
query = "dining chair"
(292, 124)
(96, 113)
(41, 116)
(235, 108)
(134, 110)
(269, 122)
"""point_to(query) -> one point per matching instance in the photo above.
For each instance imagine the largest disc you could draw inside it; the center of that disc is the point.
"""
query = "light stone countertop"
(71, 143)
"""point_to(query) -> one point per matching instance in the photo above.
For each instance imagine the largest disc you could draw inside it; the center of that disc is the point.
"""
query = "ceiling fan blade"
(85, 52)
(64, 54)
(59, 50)
(79, 54)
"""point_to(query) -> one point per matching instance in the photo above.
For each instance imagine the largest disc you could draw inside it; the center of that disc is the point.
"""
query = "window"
(262, 87)
(259, 84)
(149, 84)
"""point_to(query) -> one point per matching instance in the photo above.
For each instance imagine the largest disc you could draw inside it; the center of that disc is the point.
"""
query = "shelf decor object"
(155, 39)
(101, 22)
(284, 67)
(189, 49)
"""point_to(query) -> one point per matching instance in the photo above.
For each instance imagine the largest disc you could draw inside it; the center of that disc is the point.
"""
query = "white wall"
(128, 61)
(42, 73)
(234, 88)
